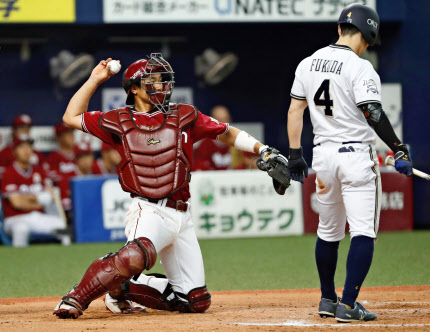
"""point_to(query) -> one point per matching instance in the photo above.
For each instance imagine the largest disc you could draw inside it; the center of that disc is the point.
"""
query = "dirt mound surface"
(405, 308)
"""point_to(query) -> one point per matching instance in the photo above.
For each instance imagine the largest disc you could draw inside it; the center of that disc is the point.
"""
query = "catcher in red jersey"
(155, 141)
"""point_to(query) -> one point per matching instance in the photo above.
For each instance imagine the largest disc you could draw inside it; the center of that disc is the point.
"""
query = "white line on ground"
(301, 323)
(385, 303)
(402, 310)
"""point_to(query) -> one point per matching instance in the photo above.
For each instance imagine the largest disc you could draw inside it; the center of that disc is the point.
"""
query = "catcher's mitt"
(276, 165)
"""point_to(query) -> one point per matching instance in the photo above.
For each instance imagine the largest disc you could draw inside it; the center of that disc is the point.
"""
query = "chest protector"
(153, 162)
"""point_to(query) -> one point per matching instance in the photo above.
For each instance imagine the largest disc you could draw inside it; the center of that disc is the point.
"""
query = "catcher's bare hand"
(101, 73)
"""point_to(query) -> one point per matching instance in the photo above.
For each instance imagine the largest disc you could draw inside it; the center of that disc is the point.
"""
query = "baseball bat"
(56, 196)
(389, 161)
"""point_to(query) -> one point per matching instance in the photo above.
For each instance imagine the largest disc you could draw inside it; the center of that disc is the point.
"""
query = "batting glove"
(297, 165)
(403, 161)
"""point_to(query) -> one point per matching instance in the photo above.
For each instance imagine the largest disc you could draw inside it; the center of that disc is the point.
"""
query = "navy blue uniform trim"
(368, 102)
(297, 97)
(376, 193)
(342, 47)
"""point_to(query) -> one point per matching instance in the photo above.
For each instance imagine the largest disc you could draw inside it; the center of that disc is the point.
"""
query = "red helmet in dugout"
(145, 68)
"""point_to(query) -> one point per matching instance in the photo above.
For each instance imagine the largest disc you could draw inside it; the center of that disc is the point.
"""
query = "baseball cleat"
(64, 311)
(327, 308)
(122, 306)
(359, 313)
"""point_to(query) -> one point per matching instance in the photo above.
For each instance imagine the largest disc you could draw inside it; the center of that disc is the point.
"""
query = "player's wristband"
(245, 142)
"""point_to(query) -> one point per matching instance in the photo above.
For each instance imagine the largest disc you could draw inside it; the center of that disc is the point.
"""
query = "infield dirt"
(405, 308)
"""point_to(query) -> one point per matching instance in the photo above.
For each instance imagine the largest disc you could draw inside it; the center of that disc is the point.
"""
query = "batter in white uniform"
(342, 92)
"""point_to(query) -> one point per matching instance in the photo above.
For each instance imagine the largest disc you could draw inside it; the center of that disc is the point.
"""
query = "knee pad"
(134, 257)
(108, 273)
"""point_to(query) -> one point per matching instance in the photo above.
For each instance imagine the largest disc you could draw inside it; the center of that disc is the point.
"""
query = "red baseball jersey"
(211, 155)
(17, 180)
(38, 159)
(62, 168)
(99, 168)
(61, 165)
(203, 127)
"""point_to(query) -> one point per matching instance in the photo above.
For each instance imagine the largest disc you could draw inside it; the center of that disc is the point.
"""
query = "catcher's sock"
(326, 258)
(357, 265)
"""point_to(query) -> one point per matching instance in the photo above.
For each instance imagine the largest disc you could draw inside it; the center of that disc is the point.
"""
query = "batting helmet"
(364, 19)
(145, 68)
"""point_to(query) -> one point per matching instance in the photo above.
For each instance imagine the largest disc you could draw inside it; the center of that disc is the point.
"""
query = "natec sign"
(183, 11)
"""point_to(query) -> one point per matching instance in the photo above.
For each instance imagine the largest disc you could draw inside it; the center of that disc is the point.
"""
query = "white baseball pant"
(21, 226)
(348, 186)
(172, 233)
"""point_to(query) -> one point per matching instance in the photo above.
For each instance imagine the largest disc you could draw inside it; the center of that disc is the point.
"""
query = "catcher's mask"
(142, 73)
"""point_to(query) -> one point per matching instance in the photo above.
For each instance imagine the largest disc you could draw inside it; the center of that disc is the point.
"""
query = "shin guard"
(109, 272)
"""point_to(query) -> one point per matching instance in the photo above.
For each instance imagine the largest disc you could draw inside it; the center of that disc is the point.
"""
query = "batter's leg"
(331, 229)
(362, 202)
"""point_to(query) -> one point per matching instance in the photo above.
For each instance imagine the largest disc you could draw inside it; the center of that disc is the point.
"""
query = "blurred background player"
(21, 125)
(26, 197)
(84, 158)
(213, 155)
(108, 162)
(343, 94)
(248, 160)
(62, 165)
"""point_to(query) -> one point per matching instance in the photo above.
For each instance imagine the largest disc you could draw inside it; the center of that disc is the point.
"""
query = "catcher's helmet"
(364, 19)
(144, 68)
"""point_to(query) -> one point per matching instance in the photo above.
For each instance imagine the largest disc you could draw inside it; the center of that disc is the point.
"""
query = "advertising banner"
(396, 203)
(159, 11)
(232, 204)
(224, 204)
(99, 207)
(44, 138)
(37, 11)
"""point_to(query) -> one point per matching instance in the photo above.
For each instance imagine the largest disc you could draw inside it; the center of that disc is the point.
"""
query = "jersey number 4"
(325, 101)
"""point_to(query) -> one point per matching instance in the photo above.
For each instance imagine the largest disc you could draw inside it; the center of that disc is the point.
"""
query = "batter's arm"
(378, 120)
(295, 122)
(79, 102)
(229, 138)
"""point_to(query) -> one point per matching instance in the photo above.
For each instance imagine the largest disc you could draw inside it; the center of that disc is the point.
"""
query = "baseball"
(114, 66)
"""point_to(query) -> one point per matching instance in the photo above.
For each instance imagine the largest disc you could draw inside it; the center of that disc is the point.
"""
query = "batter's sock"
(326, 258)
(357, 265)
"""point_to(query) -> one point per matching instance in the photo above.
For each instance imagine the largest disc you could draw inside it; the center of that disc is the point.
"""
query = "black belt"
(171, 203)
(349, 142)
